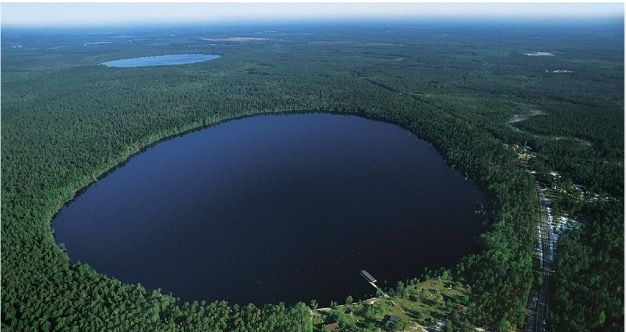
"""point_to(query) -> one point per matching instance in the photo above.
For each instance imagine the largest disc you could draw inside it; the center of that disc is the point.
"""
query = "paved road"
(538, 304)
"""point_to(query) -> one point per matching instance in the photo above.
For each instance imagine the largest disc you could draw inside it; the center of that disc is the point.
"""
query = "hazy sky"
(41, 14)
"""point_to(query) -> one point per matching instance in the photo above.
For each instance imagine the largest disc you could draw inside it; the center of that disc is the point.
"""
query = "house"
(331, 326)
(391, 320)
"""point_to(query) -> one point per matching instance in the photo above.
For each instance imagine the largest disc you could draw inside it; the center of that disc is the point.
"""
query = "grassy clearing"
(440, 301)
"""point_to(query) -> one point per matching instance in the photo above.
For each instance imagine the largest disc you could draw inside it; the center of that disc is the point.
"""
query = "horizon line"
(103, 14)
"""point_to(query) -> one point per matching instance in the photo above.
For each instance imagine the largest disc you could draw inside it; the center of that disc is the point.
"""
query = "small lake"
(276, 208)
(161, 60)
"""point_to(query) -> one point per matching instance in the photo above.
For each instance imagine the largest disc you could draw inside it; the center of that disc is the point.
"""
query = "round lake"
(276, 208)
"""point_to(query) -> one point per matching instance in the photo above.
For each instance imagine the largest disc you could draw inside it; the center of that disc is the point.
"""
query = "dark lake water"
(161, 60)
(275, 208)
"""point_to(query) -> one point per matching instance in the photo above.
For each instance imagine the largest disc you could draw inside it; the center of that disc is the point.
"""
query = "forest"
(66, 120)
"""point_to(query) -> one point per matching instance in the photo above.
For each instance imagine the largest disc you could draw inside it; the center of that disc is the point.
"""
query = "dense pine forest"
(468, 88)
